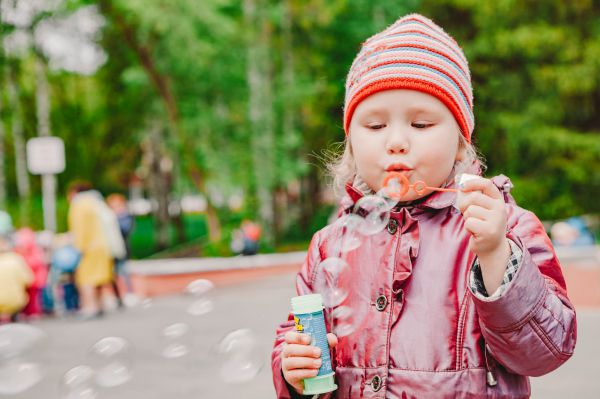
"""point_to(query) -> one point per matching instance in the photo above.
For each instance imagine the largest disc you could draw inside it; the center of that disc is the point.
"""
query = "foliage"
(182, 65)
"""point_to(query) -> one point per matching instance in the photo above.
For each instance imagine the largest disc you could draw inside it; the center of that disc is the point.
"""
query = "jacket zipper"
(489, 375)
(461, 330)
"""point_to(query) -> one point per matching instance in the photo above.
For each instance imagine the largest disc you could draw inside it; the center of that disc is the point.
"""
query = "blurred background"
(207, 125)
(208, 113)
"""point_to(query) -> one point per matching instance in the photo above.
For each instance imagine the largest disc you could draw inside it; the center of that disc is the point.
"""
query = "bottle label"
(313, 324)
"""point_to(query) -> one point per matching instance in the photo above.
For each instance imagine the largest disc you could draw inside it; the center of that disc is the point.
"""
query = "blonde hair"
(342, 167)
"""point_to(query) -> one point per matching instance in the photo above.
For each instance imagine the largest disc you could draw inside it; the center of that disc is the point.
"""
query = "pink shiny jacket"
(421, 332)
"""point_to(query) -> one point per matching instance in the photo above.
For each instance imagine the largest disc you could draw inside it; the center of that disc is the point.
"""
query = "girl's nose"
(397, 142)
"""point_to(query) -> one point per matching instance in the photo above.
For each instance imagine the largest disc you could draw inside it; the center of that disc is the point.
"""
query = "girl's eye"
(376, 126)
(421, 125)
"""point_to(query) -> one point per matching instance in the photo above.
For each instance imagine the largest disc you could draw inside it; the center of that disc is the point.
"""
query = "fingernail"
(317, 363)
(317, 352)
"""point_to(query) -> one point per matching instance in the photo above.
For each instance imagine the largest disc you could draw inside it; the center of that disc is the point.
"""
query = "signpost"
(46, 157)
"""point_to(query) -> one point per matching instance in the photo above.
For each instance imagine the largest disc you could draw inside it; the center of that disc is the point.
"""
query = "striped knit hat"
(414, 53)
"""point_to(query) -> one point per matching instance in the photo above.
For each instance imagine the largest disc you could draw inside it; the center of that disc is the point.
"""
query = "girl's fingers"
(293, 376)
(486, 186)
(301, 350)
(332, 340)
(475, 226)
(476, 211)
(475, 198)
(293, 363)
(292, 337)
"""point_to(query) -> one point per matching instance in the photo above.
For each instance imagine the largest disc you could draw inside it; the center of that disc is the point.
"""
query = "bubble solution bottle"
(309, 319)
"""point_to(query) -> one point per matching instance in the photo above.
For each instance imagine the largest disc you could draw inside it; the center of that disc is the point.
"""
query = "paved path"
(257, 305)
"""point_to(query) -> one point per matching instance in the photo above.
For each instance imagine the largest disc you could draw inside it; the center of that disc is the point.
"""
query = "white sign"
(45, 155)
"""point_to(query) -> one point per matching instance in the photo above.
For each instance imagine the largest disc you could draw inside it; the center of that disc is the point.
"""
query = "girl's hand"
(484, 212)
(300, 360)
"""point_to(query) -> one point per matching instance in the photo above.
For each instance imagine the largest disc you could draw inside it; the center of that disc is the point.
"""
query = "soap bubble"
(375, 213)
(19, 343)
(147, 303)
(111, 359)
(175, 337)
(331, 273)
(201, 291)
(18, 376)
(78, 383)
(240, 358)
(349, 226)
(345, 321)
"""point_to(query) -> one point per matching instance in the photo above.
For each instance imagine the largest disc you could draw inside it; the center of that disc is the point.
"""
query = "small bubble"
(78, 383)
(202, 291)
(175, 338)
(147, 303)
(19, 369)
(112, 360)
(199, 287)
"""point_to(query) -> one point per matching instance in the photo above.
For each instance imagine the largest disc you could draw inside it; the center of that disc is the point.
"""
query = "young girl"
(460, 296)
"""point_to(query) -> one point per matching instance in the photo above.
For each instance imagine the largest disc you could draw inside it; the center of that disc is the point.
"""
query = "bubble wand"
(400, 185)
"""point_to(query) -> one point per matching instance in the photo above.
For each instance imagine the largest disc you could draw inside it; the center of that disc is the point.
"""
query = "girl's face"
(406, 131)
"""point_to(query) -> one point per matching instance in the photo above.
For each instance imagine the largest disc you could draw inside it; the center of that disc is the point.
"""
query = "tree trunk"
(214, 225)
(155, 165)
(2, 152)
(42, 98)
(260, 112)
(286, 210)
(3, 71)
(23, 186)
(42, 103)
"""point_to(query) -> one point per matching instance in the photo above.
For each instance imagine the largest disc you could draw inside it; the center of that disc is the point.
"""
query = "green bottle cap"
(319, 384)
(307, 303)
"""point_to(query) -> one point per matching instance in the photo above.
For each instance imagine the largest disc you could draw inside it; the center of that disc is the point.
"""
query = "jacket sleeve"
(531, 328)
(303, 286)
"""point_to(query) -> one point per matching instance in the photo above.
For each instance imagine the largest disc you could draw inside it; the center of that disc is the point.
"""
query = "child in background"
(459, 297)
(15, 277)
(25, 245)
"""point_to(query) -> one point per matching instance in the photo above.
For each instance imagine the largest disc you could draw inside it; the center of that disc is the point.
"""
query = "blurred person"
(64, 262)
(88, 220)
(251, 233)
(118, 204)
(237, 241)
(25, 244)
(6, 226)
(571, 232)
(15, 278)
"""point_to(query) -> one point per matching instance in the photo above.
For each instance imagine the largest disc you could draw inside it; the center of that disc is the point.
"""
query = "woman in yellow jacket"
(95, 268)
(15, 277)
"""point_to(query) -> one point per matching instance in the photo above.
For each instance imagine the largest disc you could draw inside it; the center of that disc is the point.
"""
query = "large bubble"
(239, 356)
(346, 320)
(329, 282)
(19, 369)
(112, 360)
(375, 212)
(349, 236)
